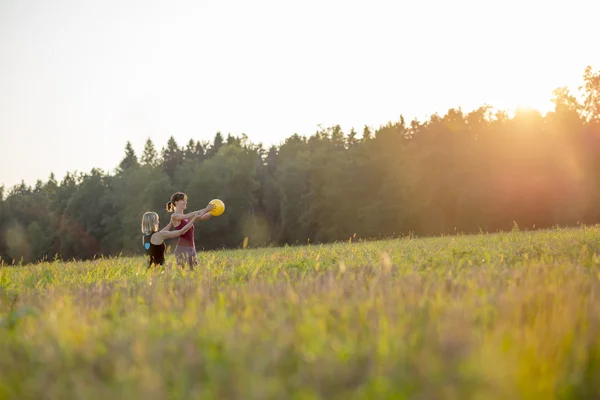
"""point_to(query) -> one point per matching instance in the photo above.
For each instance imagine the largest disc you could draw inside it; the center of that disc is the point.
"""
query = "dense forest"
(485, 170)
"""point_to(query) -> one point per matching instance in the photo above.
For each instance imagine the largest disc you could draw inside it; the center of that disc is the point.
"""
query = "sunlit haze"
(78, 79)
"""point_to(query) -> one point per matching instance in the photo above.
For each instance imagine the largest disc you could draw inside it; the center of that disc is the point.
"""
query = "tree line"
(483, 170)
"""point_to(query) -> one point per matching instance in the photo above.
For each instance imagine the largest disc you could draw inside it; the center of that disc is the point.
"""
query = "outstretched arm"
(165, 235)
(167, 227)
(179, 217)
(205, 216)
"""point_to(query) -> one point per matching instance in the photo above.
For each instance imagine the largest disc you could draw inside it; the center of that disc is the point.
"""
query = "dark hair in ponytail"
(170, 206)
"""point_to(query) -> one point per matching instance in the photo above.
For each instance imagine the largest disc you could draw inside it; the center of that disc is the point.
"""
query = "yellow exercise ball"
(219, 207)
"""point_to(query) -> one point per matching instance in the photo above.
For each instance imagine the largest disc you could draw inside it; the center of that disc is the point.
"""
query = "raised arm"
(179, 217)
(165, 235)
(205, 216)
(167, 227)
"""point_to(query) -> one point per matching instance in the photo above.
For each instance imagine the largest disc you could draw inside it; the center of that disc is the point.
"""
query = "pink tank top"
(187, 239)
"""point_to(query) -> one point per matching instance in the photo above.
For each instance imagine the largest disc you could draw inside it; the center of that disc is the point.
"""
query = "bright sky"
(80, 78)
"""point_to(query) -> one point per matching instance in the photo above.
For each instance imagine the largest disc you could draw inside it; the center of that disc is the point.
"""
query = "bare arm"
(161, 236)
(205, 216)
(179, 217)
(167, 227)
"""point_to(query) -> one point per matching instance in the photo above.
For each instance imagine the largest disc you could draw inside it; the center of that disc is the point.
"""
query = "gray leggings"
(185, 254)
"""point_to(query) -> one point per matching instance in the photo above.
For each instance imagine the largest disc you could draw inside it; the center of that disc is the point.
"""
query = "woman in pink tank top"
(185, 251)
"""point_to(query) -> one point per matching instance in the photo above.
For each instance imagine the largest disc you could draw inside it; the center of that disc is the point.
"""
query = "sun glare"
(541, 106)
(524, 93)
(528, 103)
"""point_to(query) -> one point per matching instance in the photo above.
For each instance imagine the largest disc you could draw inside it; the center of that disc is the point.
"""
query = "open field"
(503, 316)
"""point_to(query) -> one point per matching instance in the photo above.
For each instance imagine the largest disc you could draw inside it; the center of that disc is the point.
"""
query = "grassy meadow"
(490, 316)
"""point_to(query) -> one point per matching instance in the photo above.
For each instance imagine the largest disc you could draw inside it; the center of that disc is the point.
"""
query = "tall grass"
(504, 316)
